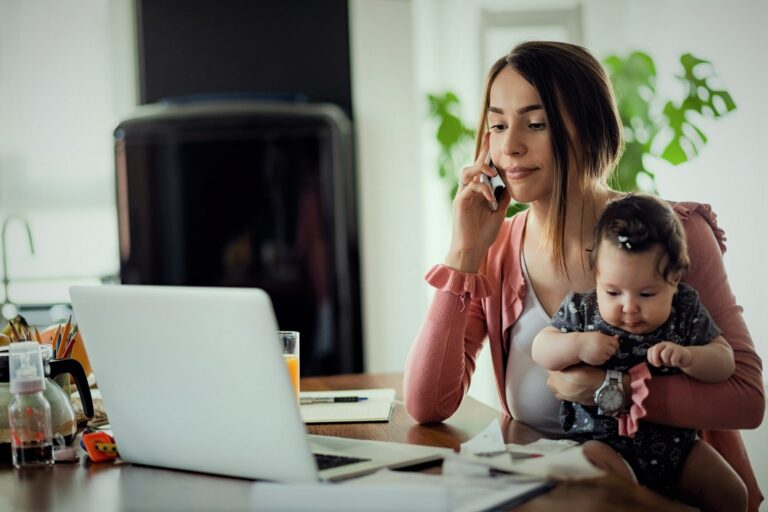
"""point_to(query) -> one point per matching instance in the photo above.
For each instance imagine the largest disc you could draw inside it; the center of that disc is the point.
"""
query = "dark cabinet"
(248, 194)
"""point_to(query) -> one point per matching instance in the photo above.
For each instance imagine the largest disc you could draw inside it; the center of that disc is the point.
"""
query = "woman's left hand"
(576, 383)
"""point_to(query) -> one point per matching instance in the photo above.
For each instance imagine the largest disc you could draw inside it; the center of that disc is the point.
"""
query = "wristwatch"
(609, 397)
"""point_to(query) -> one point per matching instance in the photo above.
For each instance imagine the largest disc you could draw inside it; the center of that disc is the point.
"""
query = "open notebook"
(377, 406)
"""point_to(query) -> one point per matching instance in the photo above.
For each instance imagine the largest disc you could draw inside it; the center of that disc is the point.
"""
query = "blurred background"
(71, 72)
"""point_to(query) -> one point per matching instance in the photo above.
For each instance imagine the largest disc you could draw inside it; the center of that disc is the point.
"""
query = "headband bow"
(624, 242)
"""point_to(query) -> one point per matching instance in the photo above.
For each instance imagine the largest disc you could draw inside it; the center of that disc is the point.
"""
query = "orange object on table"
(100, 446)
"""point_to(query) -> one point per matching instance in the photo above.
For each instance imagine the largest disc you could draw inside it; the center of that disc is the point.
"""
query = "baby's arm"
(712, 362)
(556, 350)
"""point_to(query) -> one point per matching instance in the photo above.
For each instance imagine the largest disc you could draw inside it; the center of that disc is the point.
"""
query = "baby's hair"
(638, 223)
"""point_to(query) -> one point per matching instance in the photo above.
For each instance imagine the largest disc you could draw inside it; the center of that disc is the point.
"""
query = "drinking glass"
(289, 340)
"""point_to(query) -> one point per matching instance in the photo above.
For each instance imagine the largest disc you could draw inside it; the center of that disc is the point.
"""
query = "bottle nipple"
(26, 367)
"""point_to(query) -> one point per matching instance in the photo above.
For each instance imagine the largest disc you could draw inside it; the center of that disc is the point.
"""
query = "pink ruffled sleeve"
(628, 423)
(458, 283)
(442, 359)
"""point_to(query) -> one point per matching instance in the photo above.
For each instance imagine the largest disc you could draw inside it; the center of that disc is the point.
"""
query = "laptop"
(194, 379)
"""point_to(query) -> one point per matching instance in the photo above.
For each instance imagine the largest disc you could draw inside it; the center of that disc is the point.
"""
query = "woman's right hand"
(577, 383)
(475, 223)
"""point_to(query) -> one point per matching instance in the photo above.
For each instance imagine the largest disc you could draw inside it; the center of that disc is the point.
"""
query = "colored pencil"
(70, 345)
(55, 340)
(64, 338)
(15, 332)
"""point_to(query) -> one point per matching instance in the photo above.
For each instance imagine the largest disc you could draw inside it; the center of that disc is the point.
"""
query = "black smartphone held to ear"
(496, 183)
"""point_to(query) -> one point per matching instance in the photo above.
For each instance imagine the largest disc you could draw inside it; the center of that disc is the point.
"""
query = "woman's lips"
(519, 172)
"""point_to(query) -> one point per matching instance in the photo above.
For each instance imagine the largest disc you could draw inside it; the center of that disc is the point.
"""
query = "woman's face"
(520, 137)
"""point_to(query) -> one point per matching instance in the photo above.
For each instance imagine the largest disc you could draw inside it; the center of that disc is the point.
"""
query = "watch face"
(610, 400)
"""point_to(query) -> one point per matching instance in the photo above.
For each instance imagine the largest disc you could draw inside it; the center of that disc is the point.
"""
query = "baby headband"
(624, 242)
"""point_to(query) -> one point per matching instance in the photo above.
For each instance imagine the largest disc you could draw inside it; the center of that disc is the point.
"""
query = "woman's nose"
(514, 145)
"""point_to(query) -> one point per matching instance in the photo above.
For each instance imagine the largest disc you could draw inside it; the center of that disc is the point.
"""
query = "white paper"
(489, 440)
(570, 464)
(542, 446)
(327, 497)
(466, 494)
(558, 459)
(455, 465)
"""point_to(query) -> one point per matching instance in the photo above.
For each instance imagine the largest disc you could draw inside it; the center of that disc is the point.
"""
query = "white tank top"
(529, 398)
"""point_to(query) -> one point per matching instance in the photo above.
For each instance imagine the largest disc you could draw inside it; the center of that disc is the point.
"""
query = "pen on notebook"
(330, 399)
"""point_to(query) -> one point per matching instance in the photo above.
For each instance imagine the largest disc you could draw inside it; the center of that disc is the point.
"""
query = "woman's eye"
(537, 126)
(497, 127)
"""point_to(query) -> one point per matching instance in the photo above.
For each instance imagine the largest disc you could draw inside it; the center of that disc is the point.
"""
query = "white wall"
(67, 76)
(387, 120)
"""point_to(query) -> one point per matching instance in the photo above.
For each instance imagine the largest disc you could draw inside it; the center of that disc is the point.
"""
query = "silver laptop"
(194, 379)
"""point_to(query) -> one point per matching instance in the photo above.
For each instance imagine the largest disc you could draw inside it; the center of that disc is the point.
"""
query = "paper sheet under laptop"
(377, 406)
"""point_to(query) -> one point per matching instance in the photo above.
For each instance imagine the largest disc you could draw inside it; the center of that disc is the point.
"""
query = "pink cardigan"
(468, 307)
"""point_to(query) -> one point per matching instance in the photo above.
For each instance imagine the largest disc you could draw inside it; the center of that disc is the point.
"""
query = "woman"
(550, 126)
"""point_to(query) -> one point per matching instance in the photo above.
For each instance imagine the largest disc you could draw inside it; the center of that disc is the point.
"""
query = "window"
(502, 30)
(66, 79)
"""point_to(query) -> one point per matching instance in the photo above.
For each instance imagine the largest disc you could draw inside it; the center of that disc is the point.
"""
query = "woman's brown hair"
(568, 79)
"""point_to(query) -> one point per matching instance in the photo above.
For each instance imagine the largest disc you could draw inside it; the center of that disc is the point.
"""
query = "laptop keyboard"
(333, 461)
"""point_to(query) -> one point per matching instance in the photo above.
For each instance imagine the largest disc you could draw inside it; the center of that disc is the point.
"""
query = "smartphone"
(496, 183)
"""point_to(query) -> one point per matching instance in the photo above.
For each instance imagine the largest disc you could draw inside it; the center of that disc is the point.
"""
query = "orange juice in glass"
(289, 341)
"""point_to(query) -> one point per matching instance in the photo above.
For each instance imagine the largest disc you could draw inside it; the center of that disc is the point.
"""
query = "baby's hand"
(669, 354)
(597, 348)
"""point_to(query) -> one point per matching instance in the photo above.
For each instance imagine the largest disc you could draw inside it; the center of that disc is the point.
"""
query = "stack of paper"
(545, 458)
(388, 490)
(377, 406)
(465, 493)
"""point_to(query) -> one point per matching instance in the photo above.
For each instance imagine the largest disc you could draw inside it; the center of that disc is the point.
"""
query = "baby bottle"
(29, 413)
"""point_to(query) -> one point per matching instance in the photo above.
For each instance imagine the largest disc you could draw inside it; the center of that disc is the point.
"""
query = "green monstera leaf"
(634, 79)
(639, 103)
(634, 82)
(702, 100)
(454, 138)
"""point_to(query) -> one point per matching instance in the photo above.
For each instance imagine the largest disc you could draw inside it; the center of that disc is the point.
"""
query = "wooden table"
(106, 487)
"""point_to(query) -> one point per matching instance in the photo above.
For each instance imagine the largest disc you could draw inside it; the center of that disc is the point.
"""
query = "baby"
(638, 312)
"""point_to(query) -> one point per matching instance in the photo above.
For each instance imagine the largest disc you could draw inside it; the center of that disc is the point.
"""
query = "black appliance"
(248, 194)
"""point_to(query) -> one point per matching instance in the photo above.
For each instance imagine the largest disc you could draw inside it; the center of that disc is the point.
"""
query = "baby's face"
(631, 294)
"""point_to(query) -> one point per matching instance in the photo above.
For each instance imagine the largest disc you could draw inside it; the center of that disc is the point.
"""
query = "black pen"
(330, 399)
